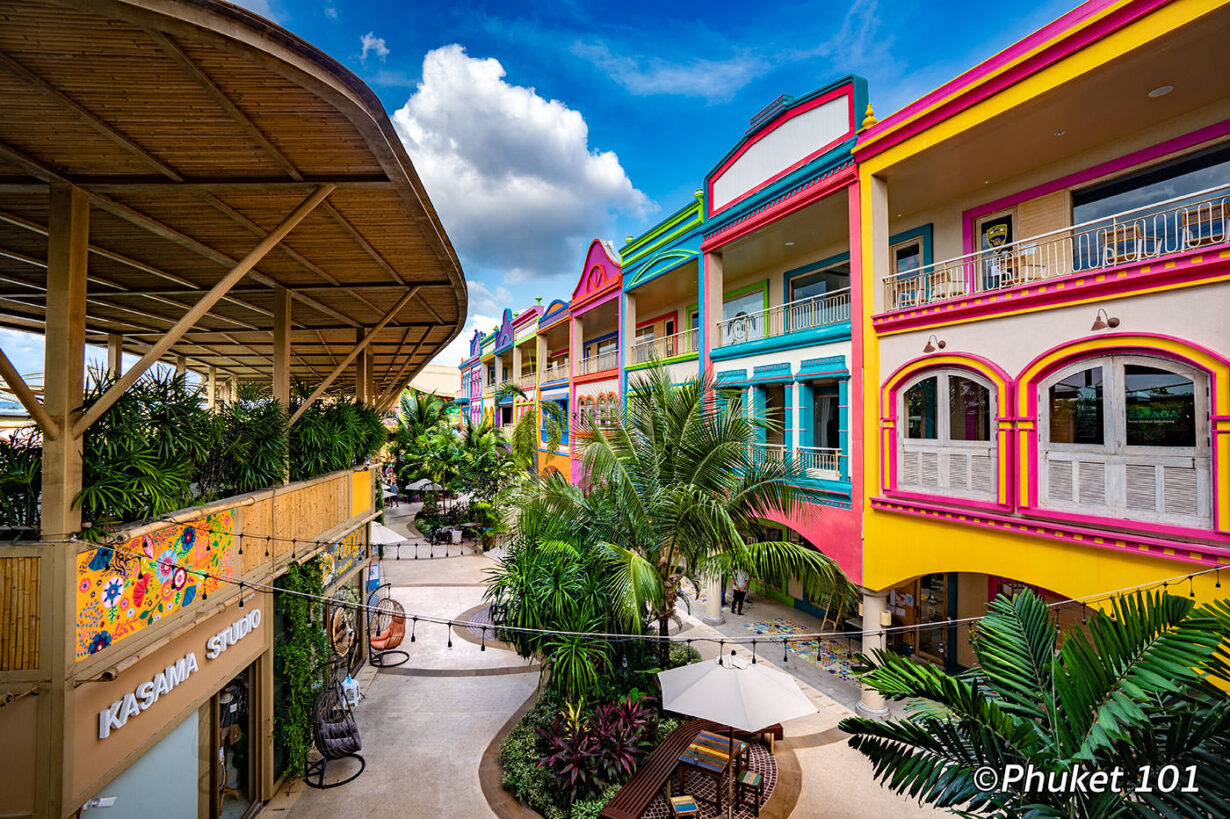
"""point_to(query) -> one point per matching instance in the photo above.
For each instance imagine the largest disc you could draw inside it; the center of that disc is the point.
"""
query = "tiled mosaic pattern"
(831, 654)
(478, 620)
(704, 789)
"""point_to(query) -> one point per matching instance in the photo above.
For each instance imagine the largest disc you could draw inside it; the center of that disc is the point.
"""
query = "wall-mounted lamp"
(1102, 321)
(934, 343)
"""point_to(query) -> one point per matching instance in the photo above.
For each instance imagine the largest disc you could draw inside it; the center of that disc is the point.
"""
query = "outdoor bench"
(654, 772)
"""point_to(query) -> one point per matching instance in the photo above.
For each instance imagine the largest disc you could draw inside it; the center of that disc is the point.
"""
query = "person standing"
(740, 580)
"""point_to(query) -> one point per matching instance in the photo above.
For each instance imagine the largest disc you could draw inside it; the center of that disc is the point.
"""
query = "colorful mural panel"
(121, 590)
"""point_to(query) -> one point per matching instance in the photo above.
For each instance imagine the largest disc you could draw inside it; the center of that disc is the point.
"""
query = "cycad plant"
(1139, 688)
(673, 492)
(251, 451)
(545, 421)
(21, 470)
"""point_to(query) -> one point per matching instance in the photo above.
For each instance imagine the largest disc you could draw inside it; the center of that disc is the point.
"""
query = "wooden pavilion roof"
(196, 127)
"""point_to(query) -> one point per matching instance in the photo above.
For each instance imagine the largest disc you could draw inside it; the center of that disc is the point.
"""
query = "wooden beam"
(345, 362)
(399, 380)
(201, 307)
(28, 399)
(142, 185)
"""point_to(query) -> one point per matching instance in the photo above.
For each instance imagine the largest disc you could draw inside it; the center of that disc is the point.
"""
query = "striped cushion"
(750, 778)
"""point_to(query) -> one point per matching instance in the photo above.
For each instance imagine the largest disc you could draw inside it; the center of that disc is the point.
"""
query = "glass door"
(932, 602)
(234, 768)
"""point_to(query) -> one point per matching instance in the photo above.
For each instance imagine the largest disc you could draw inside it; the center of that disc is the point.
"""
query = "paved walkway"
(426, 725)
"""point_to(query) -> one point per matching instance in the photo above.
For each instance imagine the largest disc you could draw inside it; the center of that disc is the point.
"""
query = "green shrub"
(21, 470)
(590, 808)
(683, 654)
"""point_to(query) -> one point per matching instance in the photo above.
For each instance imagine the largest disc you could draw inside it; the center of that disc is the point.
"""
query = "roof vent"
(769, 110)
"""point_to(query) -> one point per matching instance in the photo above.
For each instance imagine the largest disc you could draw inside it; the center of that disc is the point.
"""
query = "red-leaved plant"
(585, 755)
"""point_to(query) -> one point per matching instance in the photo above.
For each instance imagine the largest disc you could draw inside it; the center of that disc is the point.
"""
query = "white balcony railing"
(1160, 229)
(557, 370)
(597, 363)
(666, 347)
(801, 314)
(488, 389)
(818, 462)
(527, 381)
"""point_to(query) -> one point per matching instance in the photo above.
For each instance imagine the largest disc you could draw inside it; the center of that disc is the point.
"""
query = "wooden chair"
(686, 806)
(386, 628)
(1204, 225)
(750, 781)
(1124, 244)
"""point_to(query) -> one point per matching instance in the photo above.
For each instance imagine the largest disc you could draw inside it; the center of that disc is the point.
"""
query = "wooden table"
(709, 754)
(721, 743)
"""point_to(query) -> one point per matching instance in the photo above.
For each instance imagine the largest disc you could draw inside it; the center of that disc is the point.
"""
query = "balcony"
(527, 381)
(792, 317)
(557, 371)
(1189, 222)
(600, 362)
(822, 463)
(488, 390)
(658, 349)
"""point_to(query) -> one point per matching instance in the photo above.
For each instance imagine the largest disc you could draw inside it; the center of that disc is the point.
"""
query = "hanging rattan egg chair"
(386, 628)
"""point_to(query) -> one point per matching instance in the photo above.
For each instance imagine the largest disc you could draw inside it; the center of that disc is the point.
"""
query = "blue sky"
(537, 127)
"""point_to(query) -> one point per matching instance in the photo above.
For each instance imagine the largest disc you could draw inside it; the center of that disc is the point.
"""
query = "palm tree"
(1136, 689)
(419, 411)
(674, 493)
(547, 416)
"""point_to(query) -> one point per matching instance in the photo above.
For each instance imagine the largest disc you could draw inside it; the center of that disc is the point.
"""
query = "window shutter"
(1180, 490)
(1060, 486)
(1091, 482)
(981, 473)
(909, 469)
(929, 469)
(1142, 487)
(958, 470)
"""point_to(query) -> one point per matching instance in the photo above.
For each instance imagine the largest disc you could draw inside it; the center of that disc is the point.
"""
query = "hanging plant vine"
(299, 654)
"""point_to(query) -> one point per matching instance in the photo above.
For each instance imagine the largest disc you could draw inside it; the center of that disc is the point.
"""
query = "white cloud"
(645, 76)
(458, 349)
(331, 12)
(511, 173)
(373, 44)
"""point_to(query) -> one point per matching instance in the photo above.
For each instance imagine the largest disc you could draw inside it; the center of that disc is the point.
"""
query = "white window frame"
(1115, 453)
(943, 448)
(916, 242)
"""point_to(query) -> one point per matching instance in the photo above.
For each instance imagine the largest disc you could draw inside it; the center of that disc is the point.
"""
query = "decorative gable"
(600, 274)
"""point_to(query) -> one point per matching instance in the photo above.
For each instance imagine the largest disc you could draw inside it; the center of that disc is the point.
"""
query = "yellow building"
(1047, 356)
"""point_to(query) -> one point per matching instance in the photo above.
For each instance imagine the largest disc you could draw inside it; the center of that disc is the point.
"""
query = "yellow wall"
(900, 546)
(360, 491)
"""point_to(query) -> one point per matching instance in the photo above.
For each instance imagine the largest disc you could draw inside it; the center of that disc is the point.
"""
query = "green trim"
(640, 246)
(696, 308)
(762, 285)
(672, 360)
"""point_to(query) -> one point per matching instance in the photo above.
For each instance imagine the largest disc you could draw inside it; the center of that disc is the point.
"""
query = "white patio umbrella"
(384, 536)
(734, 692)
(425, 485)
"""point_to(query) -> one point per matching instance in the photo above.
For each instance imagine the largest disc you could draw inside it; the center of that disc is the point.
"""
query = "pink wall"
(836, 532)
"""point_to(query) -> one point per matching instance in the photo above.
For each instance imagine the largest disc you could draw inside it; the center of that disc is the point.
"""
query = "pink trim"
(834, 531)
(1065, 36)
(826, 187)
(855, 411)
(608, 292)
(776, 122)
(1181, 269)
(533, 313)
(600, 274)
(1064, 530)
(945, 500)
(1027, 389)
(1140, 157)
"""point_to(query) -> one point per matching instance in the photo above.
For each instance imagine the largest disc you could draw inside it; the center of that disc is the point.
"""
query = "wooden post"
(64, 367)
(115, 354)
(281, 346)
(181, 364)
(360, 368)
(211, 398)
(232, 389)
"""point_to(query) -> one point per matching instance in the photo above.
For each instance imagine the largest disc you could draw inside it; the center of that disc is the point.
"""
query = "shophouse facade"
(1045, 263)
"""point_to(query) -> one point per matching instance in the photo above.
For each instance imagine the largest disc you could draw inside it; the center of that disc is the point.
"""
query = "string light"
(753, 652)
(607, 637)
(241, 594)
(483, 647)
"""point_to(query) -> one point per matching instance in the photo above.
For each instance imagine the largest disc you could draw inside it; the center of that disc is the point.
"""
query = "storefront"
(183, 729)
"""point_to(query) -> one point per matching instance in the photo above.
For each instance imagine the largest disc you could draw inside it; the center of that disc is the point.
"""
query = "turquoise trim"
(758, 409)
(843, 425)
(770, 370)
(788, 341)
(807, 414)
(833, 366)
(728, 376)
(788, 417)
(923, 232)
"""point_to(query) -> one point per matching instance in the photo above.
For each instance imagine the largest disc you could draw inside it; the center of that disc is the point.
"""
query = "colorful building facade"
(991, 326)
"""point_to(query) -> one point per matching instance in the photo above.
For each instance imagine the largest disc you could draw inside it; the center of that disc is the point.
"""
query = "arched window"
(946, 436)
(1126, 436)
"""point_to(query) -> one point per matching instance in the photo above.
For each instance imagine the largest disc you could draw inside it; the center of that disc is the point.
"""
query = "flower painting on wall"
(123, 589)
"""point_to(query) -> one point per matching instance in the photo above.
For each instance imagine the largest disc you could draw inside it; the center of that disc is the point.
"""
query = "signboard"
(343, 556)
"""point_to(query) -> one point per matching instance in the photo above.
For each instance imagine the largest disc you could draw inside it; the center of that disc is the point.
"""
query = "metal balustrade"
(597, 363)
(557, 371)
(800, 314)
(818, 462)
(666, 347)
(1163, 228)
